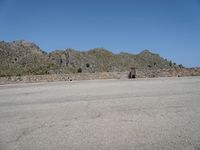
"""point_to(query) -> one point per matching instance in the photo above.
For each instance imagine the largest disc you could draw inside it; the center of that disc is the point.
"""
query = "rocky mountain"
(22, 58)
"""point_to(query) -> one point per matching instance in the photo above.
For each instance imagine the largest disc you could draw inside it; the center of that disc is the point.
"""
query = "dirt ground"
(162, 113)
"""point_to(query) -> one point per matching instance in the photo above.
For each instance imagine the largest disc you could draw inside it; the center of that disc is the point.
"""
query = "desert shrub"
(2, 75)
(79, 70)
(170, 63)
(40, 70)
(87, 65)
(180, 66)
(18, 74)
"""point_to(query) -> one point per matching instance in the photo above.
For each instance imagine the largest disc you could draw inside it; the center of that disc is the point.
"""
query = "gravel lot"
(161, 113)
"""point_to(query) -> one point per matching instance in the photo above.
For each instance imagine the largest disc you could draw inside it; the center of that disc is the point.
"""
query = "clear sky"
(168, 27)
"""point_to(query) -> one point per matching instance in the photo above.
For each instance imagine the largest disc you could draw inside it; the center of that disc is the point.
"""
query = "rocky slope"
(25, 58)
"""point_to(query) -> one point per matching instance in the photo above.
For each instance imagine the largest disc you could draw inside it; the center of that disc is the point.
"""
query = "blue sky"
(168, 27)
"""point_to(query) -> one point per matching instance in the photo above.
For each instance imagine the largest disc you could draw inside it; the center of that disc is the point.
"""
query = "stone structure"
(132, 73)
(140, 73)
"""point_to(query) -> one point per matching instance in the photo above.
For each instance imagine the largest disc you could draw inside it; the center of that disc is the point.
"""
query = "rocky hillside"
(23, 58)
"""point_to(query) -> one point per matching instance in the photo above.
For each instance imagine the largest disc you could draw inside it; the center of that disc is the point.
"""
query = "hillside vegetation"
(24, 58)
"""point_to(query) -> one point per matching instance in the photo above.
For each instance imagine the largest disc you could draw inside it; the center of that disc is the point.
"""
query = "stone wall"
(171, 72)
(140, 73)
(60, 77)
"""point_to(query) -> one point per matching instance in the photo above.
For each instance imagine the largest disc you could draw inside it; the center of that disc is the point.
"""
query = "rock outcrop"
(26, 58)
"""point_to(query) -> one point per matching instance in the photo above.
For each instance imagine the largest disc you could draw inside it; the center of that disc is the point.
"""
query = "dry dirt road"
(101, 115)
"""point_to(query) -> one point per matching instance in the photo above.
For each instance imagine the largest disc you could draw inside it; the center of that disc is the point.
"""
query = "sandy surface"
(97, 115)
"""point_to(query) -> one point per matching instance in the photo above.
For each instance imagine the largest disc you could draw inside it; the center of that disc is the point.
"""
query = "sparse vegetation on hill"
(24, 58)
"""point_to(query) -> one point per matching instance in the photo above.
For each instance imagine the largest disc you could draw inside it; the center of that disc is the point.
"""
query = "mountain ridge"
(22, 58)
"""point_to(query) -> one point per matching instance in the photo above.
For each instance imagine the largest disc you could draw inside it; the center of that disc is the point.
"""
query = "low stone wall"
(171, 72)
(60, 77)
(141, 73)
